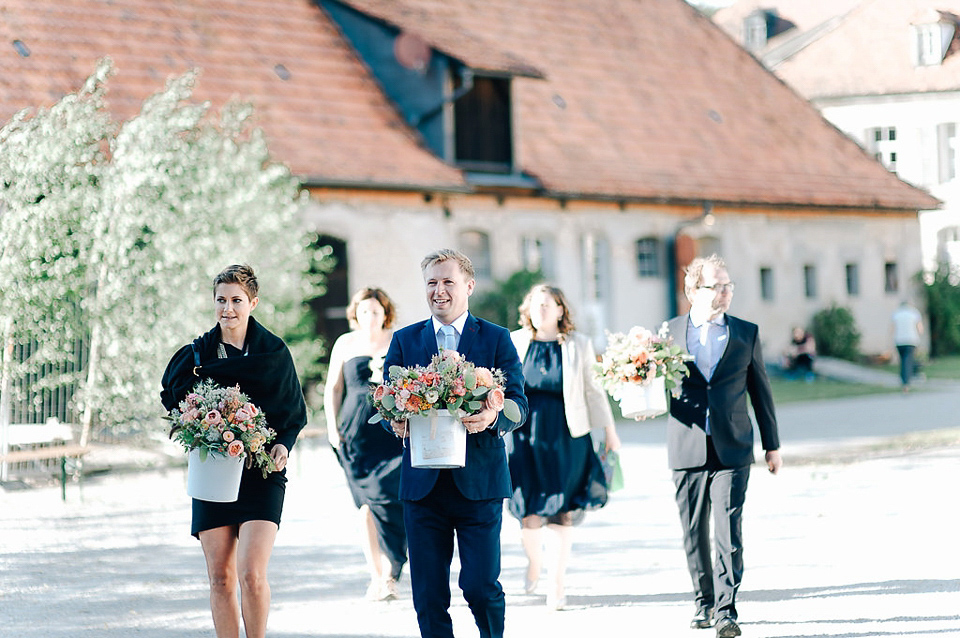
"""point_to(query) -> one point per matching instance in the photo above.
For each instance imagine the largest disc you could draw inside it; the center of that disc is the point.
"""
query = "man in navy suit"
(710, 437)
(468, 501)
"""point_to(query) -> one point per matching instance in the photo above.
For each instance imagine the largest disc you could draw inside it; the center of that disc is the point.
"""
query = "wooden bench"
(35, 443)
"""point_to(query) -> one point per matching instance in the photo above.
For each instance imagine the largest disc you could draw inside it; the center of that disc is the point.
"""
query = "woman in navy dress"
(555, 470)
(370, 456)
(238, 537)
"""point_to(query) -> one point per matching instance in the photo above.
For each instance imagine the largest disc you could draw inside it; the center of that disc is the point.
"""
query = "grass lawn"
(788, 391)
(939, 368)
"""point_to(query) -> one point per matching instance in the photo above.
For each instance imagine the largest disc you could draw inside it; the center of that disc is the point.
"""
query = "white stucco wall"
(916, 117)
(387, 237)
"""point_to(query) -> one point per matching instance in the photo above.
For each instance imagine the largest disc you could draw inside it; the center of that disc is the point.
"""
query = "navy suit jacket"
(485, 474)
(739, 373)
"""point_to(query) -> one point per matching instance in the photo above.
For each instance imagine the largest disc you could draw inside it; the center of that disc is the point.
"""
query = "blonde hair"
(389, 310)
(565, 324)
(693, 274)
(446, 254)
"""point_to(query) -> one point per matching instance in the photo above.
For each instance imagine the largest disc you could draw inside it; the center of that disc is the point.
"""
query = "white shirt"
(457, 324)
(905, 320)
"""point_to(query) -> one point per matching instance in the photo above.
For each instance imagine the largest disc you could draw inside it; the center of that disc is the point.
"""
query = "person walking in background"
(464, 503)
(238, 537)
(710, 438)
(907, 331)
(370, 456)
(800, 354)
(555, 471)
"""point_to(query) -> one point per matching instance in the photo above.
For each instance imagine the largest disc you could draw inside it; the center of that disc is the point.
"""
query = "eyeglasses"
(721, 287)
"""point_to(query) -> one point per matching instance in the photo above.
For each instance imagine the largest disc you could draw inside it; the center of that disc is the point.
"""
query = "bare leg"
(531, 538)
(255, 547)
(220, 551)
(372, 553)
(564, 544)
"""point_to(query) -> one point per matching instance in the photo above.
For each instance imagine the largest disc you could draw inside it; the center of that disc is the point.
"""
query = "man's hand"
(774, 462)
(480, 421)
(400, 429)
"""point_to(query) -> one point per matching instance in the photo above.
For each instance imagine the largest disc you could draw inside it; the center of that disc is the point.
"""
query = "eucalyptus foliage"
(112, 232)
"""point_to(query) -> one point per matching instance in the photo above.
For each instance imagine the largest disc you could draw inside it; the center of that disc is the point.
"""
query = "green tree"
(836, 334)
(500, 304)
(942, 294)
(112, 232)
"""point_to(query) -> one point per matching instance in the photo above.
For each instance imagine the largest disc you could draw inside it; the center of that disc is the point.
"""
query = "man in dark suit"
(468, 501)
(710, 437)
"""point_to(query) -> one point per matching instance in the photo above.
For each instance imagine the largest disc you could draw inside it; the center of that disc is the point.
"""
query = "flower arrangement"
(450, 382)
(223, 421)
(640, 356)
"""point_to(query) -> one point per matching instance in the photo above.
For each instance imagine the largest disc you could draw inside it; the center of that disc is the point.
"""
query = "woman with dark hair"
(370, 456)
(238, 537)
(555, 470)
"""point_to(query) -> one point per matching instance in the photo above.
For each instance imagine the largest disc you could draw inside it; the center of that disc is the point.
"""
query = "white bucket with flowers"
(220, 429)
(638, 368)
(433, 399)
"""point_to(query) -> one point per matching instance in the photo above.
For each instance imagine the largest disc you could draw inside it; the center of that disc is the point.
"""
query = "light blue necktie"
(447, 339)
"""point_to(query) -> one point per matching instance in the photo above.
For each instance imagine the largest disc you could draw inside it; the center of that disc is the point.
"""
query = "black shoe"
(727, 628)
(703, 619)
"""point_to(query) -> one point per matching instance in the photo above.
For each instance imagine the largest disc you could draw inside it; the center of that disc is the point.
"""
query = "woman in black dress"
(370, 455)
(556, 473)
(237, 538)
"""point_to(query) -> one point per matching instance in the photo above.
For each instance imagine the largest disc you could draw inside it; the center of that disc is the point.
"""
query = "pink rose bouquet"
(223, 421)
(450, 382)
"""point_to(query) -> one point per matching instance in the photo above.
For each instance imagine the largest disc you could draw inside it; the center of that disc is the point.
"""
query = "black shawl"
(266, 374)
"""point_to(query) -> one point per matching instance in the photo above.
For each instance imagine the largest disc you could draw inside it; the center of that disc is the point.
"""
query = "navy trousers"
(432, 523)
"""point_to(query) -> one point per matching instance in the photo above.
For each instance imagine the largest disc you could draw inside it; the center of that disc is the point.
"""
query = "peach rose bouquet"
(450, 382)
(222, 421)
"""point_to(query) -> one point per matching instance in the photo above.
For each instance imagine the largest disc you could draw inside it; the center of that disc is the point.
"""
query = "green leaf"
(511, 410)
(388, 402)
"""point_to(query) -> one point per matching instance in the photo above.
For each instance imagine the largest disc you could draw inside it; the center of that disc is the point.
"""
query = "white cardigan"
(584, 401)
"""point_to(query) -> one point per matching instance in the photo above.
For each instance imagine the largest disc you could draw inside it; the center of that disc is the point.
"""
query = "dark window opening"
(482, 130)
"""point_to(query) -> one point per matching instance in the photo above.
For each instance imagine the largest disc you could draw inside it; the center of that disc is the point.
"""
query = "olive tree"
(111, 232)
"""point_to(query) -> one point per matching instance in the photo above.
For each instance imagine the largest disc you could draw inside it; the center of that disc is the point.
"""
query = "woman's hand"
(279, 454)
(612, 439)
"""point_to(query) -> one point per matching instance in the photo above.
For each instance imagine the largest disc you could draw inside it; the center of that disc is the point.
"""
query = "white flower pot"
(643, 401)
(216, 479)
(437, 441)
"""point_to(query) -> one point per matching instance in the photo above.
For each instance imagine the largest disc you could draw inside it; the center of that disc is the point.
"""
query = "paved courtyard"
(856, 537)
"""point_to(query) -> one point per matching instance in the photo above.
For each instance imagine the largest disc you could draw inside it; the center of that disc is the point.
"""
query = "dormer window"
(483, 135)
(755, 31)
(933, 40)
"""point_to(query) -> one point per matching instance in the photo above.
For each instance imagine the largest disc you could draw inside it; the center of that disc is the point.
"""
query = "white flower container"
(643, 401)
(438, 440)
(215, 479)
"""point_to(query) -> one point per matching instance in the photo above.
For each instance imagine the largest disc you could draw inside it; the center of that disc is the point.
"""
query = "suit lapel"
(469, 336)
(428, 341)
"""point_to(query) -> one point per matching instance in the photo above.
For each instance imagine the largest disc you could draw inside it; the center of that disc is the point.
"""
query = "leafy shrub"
(836, 333)
(943, 309)
(501, 303)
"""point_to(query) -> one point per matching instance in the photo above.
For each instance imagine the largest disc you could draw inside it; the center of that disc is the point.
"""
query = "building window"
(596, 267)
(882, 143)
(947, 151)
(891, 278)
(853, 279)
(766, 284)
(933, 42)
(538, 255)
(482, 131)
(755, 31)
(476, 246)
(810, 281)
(648, 257)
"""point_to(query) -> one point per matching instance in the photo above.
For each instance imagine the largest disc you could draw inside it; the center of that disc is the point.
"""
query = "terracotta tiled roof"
(639, 99)
(321, 111)
(884, 29)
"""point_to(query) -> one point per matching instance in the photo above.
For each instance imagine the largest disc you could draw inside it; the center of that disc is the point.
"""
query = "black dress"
(371, 459)
(552, 472)
(266, 373)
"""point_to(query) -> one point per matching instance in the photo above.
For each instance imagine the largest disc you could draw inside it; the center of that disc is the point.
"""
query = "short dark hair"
(238, 274)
